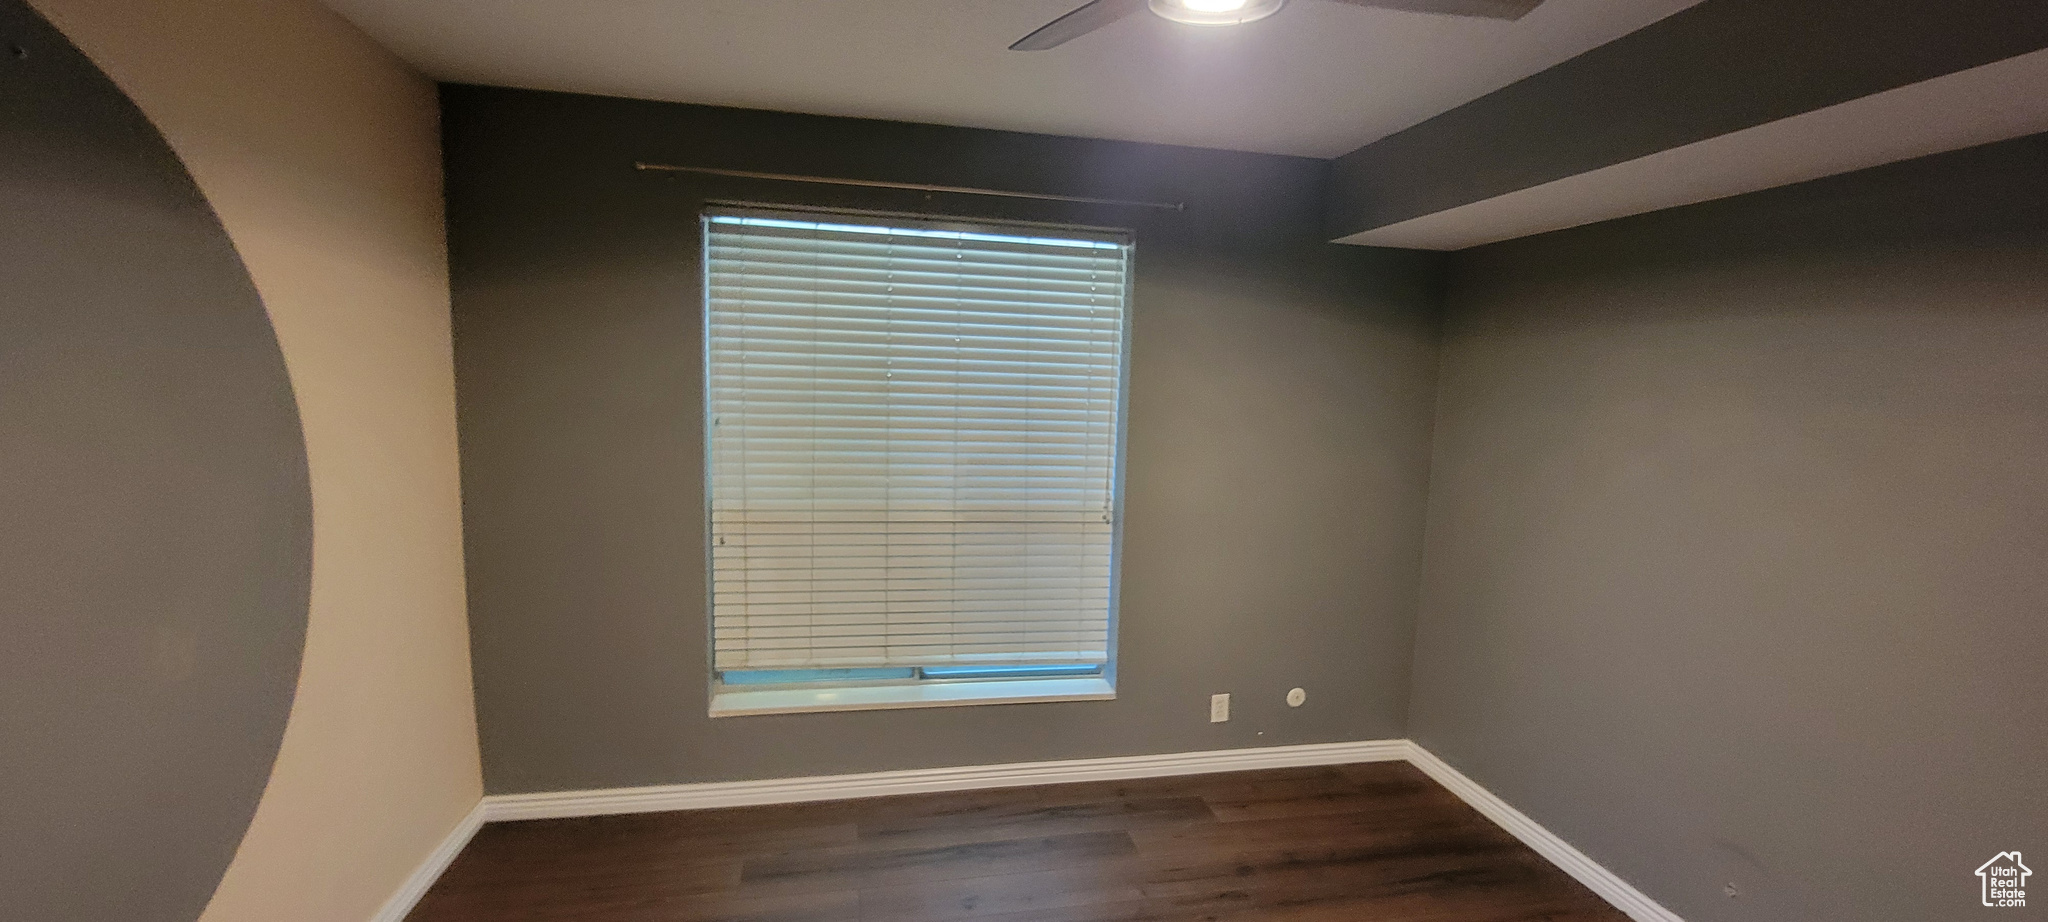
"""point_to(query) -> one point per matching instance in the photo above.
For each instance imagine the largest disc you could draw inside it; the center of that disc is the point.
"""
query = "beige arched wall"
(320, 152)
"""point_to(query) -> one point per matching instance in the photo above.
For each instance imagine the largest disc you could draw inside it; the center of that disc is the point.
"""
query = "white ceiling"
(1319, 79)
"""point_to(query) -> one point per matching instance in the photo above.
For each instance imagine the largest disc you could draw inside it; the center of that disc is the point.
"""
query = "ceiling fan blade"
(1088, 18)
(1490, 9)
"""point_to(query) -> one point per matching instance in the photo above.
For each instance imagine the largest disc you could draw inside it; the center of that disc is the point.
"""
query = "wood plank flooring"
(1377, 842)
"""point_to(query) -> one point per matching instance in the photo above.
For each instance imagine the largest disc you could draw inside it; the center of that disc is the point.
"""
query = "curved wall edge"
(320, 153)
(159, 534)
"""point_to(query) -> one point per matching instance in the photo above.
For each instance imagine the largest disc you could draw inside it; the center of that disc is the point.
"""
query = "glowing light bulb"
(1215, 12)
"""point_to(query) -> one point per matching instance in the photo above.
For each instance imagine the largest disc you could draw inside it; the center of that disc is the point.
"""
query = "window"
(913, 438)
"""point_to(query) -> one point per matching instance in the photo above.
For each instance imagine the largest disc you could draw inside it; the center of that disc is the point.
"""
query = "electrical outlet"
(1219, 708)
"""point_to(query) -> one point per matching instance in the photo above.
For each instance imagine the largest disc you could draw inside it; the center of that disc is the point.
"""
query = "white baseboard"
(1632, 902)
(437, 861)
(658, 798)
(557, 804)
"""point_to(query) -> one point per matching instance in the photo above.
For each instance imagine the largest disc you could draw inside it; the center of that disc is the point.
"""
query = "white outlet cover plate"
(1219, 708)
(1295, 697)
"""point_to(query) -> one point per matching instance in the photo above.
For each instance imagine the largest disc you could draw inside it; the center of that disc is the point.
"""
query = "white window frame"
(919, 691)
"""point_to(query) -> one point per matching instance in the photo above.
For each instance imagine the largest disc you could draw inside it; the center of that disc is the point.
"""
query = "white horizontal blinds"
(913, 442)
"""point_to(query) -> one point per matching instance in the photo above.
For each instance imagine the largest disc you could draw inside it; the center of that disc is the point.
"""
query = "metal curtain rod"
(910, 186)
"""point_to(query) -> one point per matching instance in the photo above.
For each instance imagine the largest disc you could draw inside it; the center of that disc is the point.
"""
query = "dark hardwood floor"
(1358, 843)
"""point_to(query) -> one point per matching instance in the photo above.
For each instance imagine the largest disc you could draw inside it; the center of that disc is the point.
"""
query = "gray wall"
(1278, 428)
(1670, 84)
(155, 556)
(1736, 543)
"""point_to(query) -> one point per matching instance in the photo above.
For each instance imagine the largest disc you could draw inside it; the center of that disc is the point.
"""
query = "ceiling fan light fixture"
(1215, 12)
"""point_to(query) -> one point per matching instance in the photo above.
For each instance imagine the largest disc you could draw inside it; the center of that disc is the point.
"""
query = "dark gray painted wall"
(155, 556)
(1718, 67)
(1279, 415)
(1737, 532)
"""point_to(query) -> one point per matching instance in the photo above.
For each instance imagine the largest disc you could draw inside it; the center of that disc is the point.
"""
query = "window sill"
(742, 702)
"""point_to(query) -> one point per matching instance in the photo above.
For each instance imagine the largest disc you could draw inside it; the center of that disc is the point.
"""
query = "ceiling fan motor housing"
(1216, 12)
